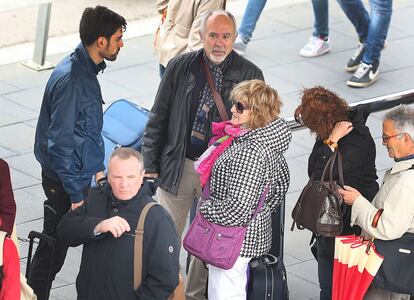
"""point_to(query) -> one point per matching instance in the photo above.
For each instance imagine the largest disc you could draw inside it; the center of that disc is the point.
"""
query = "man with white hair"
(390, 215)
(179, 127)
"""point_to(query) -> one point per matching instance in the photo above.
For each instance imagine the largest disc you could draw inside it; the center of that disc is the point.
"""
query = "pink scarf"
(223, 135)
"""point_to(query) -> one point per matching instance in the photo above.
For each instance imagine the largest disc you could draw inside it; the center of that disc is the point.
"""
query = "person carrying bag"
(338, 128)
(245, 177)
(389, 219)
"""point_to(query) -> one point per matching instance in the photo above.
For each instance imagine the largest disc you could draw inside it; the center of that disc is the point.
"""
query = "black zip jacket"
(358, 161)
(107, 265)
(165, 137)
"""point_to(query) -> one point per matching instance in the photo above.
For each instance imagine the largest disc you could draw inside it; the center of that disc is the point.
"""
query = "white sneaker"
(315, 47)
(239, 46)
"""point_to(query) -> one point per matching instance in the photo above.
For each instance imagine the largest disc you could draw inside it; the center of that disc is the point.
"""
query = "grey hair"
(125, 153)
(208, 14)
(403, 118)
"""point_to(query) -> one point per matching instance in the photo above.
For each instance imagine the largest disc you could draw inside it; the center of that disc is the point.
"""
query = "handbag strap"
(216, 96)
(338, 158)
(261, 202)
(139, 235)
(206, 194)
(330, 166)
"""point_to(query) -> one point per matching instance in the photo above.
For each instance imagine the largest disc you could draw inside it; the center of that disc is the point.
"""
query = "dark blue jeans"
(326, 248)
(321, 18)
(372, 29)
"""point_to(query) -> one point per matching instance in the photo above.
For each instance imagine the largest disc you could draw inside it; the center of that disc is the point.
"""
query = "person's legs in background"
(196, 286)
(368, 71)
(57, 204)
(326, 248)
(178, 207)
(250, 17)
(318, 44)
(359, 17)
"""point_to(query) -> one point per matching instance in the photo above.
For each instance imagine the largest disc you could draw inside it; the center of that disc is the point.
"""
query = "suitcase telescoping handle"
(41, 236)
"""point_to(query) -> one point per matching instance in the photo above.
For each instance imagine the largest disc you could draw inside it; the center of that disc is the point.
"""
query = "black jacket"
(164, 142)
(106, 270)
(358, 159)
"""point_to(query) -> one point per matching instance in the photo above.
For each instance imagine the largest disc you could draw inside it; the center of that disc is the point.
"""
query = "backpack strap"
(139, 235)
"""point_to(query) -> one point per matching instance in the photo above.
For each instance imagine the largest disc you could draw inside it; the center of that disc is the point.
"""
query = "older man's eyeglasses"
(386, 138)
(240, 107)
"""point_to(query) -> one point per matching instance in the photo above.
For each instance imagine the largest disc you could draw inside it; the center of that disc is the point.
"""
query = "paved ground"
(281, 32)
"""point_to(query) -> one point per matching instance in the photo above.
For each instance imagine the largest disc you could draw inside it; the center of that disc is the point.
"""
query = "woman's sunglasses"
(240, 107)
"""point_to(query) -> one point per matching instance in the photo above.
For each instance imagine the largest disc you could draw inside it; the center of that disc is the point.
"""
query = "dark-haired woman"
(337, 126)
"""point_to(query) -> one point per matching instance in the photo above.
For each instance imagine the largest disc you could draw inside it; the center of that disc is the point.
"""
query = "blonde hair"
(260, 98)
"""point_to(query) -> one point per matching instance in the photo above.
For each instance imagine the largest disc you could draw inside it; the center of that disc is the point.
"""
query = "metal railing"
(375, 104)
(38, 63)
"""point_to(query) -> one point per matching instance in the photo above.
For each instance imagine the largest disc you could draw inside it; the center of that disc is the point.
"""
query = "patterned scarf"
(206, 104)
(224, 134)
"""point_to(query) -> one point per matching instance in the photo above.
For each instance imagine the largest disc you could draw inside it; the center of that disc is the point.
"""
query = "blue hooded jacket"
(68, 142)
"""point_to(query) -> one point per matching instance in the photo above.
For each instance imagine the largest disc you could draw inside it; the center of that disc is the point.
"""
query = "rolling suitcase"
(51, 244)
(123, 126)
(267, 274)
(267, 279)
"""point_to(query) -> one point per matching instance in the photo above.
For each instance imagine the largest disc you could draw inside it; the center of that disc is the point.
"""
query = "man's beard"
(111, 57)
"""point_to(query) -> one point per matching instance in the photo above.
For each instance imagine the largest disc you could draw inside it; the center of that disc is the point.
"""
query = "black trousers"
(326, 248)
(57, 204)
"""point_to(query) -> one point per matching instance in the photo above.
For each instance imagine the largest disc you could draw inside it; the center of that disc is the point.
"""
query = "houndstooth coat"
(238, 179)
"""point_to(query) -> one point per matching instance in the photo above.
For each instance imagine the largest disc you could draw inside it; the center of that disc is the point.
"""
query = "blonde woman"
(252, 159)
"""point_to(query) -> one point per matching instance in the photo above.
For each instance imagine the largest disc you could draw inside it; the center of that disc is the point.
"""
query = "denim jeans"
(321, 18)
(326, 248)
(372, 29)
(251, 14)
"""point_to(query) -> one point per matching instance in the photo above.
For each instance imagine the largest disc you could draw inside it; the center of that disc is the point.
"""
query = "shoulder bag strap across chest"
(139, 235)
(216, 96)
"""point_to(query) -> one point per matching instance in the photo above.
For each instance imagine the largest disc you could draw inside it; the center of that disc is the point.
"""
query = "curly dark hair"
(320, 110)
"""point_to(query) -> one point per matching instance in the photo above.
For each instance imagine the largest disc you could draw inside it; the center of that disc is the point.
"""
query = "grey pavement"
(281, 32)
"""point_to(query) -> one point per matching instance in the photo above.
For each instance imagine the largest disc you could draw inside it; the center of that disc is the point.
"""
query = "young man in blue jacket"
(68, 142)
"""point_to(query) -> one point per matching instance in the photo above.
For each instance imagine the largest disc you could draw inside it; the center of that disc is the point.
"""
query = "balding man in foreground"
(106, 226)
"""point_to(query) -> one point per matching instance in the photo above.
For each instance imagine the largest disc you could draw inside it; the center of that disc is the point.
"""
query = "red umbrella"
(355, 264)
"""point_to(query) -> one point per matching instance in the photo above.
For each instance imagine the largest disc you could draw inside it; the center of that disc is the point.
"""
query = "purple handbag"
(216, 244)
